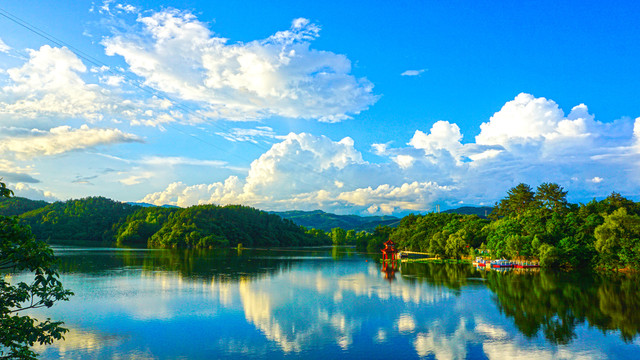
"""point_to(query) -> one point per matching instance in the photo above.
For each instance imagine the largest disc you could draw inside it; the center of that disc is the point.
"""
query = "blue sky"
(367, 107)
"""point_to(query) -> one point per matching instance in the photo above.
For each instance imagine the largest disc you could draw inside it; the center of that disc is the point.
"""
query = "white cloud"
(4, 47)
(379, 149)
(27, 191)
(50, 88)
(179, 160)
(260, 133)
(62, 139)
(528, 140)
(442, 137)
(387, 199)
(49, 83)
(306, 172)
(136, 178)
(126, 8)
(278, 76)
(412, 72)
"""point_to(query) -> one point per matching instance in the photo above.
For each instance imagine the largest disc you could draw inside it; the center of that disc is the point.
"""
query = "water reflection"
(556, 303)
(332, 303)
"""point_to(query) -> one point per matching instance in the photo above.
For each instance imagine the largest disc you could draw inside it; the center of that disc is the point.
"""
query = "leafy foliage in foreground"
(20, 251)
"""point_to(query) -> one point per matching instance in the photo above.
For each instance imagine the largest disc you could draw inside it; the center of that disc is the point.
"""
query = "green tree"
(20, 251)
(552, 197)
(518, 200)
(4, 191)
(438, 244)
(456, 245)
(618, 239)
(338, 236)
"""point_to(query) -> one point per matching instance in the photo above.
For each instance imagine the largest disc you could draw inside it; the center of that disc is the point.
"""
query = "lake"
(331, 303)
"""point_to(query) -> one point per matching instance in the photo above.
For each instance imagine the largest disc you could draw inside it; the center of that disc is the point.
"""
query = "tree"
(4, 192)
(519, 199)
(20, 251)
(456, 244)
(338, 236)
(552, 197)
(618, 239)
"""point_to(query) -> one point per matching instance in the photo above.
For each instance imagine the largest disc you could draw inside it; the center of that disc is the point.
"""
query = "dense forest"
(206, 226)
(88, 219)
(15, 205)
(527, 224)
(99, 219)
(538, 224)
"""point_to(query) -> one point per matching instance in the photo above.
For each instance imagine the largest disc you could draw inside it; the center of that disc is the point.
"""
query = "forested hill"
(19, 205)
(481, 211)
(99, 219)
(88, 219)
(211, 226)
(321, 220)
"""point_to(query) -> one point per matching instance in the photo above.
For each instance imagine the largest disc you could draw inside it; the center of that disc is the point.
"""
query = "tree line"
(534, 224)
(526, 224)
(98, 219)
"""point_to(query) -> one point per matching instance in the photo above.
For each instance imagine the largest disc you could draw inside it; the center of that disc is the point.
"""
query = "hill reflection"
(329, 303)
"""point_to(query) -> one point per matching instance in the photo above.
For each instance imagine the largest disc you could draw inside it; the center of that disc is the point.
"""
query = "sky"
(352, 107)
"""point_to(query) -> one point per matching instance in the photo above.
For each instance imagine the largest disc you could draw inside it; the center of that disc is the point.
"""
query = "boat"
(480, 262)
(502, 263)
(527, 265)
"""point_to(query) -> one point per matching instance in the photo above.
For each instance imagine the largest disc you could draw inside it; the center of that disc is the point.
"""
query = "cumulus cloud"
(529, 140)
(278, 76)
(62, 139)
(386, 198)
(27, 191)
(51, 87)
(49, 83)
(305, 172)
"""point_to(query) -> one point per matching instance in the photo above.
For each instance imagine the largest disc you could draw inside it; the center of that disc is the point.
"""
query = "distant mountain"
(321, 220)
(481, 211)
(18, 205)
(143, 204)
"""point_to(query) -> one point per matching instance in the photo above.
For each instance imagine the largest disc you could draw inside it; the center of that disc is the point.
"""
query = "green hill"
(211, 226)
(18, 205)
(88, 219)
(99, 219)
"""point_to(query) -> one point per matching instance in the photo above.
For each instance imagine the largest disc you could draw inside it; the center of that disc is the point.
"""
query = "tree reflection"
(544, 302)
(193, 263)
(555, 303)
(452, 276)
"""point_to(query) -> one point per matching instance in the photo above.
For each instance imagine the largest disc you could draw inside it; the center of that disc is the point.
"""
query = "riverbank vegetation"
(20, 252)
(527, 224)
(538, 225)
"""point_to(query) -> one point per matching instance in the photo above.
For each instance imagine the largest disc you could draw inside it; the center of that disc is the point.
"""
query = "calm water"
(332, 303)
